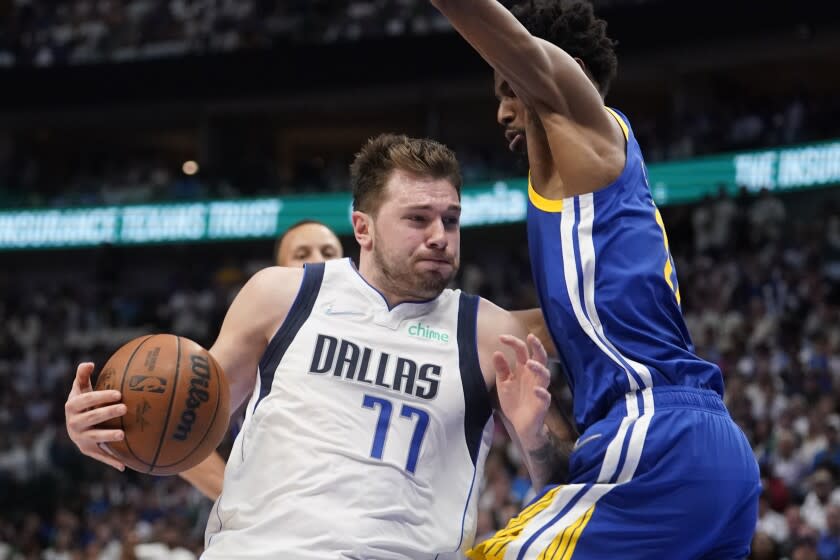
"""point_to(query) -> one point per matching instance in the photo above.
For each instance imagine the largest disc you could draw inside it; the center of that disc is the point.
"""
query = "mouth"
(437, 262)
(515, 139)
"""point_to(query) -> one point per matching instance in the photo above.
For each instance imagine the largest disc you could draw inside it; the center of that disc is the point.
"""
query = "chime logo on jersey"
(347, 360)
(426, 332)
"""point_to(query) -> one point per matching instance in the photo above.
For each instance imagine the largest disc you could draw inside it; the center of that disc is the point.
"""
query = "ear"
(589, 75)
(362, 229)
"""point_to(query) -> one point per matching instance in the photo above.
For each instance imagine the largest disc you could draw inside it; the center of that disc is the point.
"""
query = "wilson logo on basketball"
(147, 384)
(197, 395)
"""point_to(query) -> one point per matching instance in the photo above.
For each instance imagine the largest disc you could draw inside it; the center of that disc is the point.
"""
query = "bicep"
(247, 328)
(493, 322)
(239, 365)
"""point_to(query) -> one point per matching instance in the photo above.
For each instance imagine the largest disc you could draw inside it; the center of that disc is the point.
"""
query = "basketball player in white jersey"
(307, 241)
(370, 418)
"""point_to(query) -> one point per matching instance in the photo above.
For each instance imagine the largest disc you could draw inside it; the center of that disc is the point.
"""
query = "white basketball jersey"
(367, 432)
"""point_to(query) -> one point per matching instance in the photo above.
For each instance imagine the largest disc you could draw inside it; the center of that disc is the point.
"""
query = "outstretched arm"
(540, 73)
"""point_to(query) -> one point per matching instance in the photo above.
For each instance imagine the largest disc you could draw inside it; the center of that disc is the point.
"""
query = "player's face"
(511, 114)
(309, 243)
(417, 235)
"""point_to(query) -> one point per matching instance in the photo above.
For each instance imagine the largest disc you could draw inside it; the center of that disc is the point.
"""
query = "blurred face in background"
(308, 243)
(414, 237)
(822, 483)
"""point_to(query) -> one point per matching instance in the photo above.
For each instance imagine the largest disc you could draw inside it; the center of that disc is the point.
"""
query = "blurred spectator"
(824, 492)
(763, 547)
(828, 547)
(771, 523)
(787, 464)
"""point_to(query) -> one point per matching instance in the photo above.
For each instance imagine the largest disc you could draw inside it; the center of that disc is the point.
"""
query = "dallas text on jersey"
(345, 359)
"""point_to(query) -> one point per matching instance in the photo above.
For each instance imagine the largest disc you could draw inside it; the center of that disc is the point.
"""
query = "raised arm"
(541, 74)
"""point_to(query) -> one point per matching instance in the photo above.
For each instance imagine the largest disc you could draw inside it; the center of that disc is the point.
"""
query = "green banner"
(785, 169)
(222, 220)
(503, 202)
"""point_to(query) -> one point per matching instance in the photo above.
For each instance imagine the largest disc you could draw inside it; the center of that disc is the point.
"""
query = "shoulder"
(271, 292)
(275, 282)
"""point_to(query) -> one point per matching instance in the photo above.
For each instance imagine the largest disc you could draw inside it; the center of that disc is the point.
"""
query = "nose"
(436, 235)
(505, 115)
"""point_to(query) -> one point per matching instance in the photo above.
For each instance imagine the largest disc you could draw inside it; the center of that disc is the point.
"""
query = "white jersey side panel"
(362, 441)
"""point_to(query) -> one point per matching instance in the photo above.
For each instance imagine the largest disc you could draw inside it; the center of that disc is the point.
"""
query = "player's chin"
(432, 282)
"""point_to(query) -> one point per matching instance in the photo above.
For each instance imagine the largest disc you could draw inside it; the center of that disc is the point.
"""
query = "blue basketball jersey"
(609, 292)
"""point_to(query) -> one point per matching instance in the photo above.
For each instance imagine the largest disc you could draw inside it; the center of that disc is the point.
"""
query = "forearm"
(207, 477)
(547, 460)
(503, 42)
(547, 453)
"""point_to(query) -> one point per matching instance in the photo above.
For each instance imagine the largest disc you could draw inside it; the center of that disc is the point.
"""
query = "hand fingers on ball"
(105, 436)
(96, 416)
(77, 404)
(81, 383)
(91, 399)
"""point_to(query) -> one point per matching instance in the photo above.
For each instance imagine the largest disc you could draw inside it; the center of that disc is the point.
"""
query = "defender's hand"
(84, 409)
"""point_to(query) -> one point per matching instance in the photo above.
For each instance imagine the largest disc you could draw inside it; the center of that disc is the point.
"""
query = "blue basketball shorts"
(666, 474)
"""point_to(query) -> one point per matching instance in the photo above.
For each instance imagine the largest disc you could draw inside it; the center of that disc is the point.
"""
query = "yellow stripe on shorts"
(563, 545)
(494, 547)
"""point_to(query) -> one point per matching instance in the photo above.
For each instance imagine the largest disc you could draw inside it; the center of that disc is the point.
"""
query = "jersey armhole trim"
(477, 407)
(313, 276)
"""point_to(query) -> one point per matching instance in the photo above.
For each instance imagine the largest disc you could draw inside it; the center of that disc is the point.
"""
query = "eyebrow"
(451, 208)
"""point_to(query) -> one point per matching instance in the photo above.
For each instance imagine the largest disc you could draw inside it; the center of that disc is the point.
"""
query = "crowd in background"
(760, 285)
(759, 279)
(95, 31)
(31, 180)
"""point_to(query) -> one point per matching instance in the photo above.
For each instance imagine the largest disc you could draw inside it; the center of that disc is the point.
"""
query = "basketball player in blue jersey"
(304, 242)
(660, 469)
(370, 415)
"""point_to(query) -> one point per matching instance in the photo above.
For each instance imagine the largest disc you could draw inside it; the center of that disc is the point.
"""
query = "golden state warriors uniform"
(366, 434)
(660, 469)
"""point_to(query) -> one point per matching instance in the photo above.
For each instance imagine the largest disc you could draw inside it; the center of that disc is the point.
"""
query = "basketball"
(178, 403)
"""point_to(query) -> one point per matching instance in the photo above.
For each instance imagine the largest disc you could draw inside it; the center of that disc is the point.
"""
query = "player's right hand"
(84, 409)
